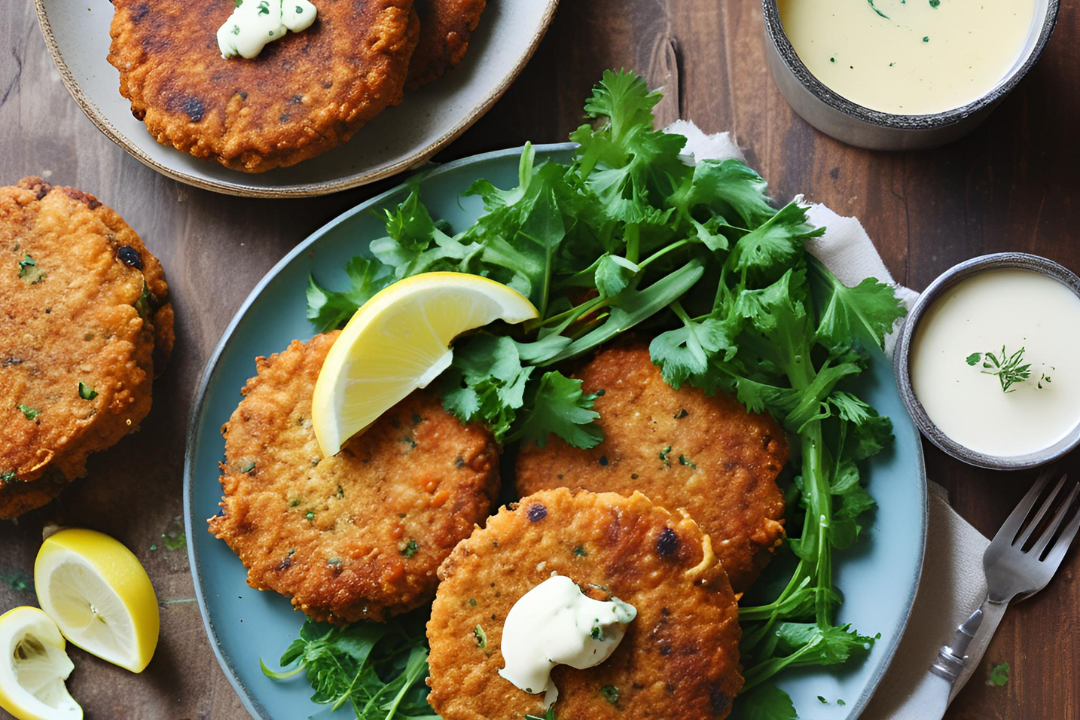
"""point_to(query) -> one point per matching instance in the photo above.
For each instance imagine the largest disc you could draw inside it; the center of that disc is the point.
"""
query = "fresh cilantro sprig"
(629, 235)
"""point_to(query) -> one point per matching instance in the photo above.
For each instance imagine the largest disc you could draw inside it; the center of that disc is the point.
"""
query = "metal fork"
(1017, 566)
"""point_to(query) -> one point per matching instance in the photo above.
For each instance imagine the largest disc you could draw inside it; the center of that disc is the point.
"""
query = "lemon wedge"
(400, 341)
(33, 668)
(99, 595)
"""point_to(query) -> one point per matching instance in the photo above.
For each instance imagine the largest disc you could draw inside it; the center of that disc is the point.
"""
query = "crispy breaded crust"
(445, 27)
(682, 449)
(303, 94)
(358, 535)
(679, 658)
(77, 314)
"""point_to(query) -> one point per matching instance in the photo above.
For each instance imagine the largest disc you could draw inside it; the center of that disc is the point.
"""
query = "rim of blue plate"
(191, 444)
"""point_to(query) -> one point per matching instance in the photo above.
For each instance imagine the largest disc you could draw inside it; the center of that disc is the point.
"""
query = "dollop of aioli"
(254, 23)
(556, 624)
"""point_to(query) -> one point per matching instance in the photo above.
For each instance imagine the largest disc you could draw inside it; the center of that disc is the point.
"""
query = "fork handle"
(952, 658)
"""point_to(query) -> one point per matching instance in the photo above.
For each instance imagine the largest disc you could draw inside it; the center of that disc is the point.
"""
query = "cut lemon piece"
(100, 596)
(400, 341)
(33, 668)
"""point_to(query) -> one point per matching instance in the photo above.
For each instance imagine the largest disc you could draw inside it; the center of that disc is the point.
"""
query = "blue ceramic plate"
(879, 576)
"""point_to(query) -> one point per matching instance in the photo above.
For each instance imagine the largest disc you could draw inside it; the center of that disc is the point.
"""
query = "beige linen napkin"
(953, 584)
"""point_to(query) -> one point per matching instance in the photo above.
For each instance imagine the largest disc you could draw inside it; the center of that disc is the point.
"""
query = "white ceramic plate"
(402, 137)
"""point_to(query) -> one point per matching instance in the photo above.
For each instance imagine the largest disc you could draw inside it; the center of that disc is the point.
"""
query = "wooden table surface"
(1013, 184)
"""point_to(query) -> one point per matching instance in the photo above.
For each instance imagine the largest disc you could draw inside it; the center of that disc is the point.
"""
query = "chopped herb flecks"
(683, 460)
(610, 693)
(86, 392)
(999, 675)
(580, 551)
(410, 549)
(481, 637)
(29, 413)
(664, 455)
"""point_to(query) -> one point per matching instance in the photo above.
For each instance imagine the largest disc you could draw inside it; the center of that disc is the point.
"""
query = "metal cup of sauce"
(1064, 326)
(861, 126)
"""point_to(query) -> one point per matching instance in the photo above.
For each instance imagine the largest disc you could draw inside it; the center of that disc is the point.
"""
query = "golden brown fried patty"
(445, 26)
(679, 658)
(682, 449)
(358, 535)
(303, 94)
(81, 301)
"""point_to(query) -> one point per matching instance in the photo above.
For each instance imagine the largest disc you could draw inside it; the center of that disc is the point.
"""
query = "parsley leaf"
(999, 675)
(865, 312)
(561, 408)
(378, 669)
(768, 702)
(327, 309)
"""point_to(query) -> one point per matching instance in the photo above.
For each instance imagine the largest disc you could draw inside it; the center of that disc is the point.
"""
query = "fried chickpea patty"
(445, 27)
(361, 534)
(681, 448)
(304, 94)
(84, 324)
(679, 658)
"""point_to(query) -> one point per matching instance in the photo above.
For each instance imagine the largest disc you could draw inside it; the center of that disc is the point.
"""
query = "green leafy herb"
(626, 235)
(28, 412)
(1009, 369)
(549, 715)
(8, 477)
(767, 702)
(481, 637)
(410, 549)
(25, 264)
(999, 674)
(310, 515)
(683, 460)
(86, 392)
(610, 693)
(264, 8)
(580, 551)
(377, 669)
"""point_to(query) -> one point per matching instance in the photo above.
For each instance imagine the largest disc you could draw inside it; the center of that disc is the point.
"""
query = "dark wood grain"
(1011, 185)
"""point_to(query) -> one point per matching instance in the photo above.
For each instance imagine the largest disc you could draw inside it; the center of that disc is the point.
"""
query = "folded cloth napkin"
(953, 583)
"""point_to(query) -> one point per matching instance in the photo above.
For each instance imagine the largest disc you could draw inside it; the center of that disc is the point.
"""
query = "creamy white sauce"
(908, 57)
(555, 624)
(1017, 309)
(257, 22)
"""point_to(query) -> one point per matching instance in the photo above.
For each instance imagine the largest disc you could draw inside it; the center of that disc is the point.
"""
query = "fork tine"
(1043, 509)
(1052, 528)
(1057, 553)
(1016, 518)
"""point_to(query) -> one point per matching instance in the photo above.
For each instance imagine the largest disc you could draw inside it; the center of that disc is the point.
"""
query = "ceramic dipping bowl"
(903, 352)
(856, 125)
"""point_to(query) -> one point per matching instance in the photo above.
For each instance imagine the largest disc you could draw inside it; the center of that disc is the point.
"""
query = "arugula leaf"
(561, 408)
(865, 312)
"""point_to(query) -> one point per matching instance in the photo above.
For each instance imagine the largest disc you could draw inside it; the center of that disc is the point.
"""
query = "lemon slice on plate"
(400, 341)
(33, 667)
(99, 595)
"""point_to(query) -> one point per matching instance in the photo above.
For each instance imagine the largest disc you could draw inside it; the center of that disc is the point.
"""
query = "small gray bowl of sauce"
(902, 74)
(988, 361)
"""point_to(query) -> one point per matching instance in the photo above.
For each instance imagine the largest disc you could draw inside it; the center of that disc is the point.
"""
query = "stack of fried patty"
(302, 95)
(84, 324)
